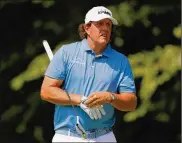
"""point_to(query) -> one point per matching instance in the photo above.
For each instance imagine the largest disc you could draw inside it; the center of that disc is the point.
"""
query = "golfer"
(86, 80)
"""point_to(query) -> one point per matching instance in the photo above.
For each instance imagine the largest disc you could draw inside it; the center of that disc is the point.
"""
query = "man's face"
(100, 31)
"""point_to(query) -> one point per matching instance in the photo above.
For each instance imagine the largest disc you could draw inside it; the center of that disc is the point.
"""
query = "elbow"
(43, 94)
(134, 103)
(129, 103)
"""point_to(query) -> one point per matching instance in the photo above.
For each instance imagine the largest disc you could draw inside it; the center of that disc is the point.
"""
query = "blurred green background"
(149, 35)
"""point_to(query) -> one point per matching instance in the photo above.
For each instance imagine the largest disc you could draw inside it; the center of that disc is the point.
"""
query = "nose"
(105, 27)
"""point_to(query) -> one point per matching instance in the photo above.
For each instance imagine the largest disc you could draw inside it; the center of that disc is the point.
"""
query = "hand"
(98, 98)
(93, 113)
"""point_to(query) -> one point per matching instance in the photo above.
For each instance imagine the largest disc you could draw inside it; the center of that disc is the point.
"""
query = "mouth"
(104, 35)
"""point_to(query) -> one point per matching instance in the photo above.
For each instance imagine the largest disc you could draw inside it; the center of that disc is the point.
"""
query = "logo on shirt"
(78, 61)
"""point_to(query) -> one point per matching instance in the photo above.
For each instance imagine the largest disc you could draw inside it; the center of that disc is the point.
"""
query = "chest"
(98, 72)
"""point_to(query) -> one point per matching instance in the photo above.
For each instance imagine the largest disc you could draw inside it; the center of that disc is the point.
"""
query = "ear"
(87, 28)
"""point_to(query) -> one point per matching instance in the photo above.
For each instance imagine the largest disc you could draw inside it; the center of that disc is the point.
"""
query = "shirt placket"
(92, 67)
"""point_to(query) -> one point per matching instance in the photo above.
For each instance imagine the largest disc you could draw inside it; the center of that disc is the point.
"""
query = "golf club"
(48, 49)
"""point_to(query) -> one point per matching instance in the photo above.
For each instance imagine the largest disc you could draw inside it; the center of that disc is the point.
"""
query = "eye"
(99, 23)
(109, 25)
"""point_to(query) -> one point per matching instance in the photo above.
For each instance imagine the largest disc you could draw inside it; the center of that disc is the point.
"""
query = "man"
(94, 79)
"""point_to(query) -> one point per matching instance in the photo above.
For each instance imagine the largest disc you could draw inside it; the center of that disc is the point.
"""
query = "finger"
(89, 100)
(92, 104)
(91, 115)
(101, 109)
(91, 95)
(94, 114)
(87, 110)
(98, 113)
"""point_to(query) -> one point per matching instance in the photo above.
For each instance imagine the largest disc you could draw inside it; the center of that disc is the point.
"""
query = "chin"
(103, 41)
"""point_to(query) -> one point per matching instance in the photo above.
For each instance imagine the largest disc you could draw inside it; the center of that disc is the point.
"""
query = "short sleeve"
(57, 66)
(126, 83)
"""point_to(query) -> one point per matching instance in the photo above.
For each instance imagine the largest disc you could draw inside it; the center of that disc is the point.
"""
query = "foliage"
(154, 71)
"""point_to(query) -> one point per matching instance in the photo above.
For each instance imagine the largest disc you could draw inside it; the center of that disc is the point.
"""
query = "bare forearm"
(58, 96)
(125, 101)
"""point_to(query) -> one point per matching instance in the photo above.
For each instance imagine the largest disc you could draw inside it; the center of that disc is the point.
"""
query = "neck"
(96, 47)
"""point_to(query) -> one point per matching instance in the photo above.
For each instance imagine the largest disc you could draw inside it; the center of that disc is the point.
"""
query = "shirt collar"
(107, 51)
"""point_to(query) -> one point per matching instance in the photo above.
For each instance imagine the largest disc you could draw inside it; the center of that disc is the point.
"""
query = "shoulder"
(71, 47)
(69, 51)
(118, 56)
(120, 60)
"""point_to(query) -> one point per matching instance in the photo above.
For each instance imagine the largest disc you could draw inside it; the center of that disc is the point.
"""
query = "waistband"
(89, 134)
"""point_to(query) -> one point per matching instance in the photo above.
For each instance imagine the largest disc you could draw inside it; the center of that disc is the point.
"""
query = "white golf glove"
(93, 113)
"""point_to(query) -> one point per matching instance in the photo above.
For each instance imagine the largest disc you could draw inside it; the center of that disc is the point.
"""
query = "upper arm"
(57, 66)
(126, 83)
(51, 82)
(47, 84)
(55, 73)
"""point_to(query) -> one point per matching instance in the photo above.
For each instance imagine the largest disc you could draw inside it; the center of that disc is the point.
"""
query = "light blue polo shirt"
(83, 73)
